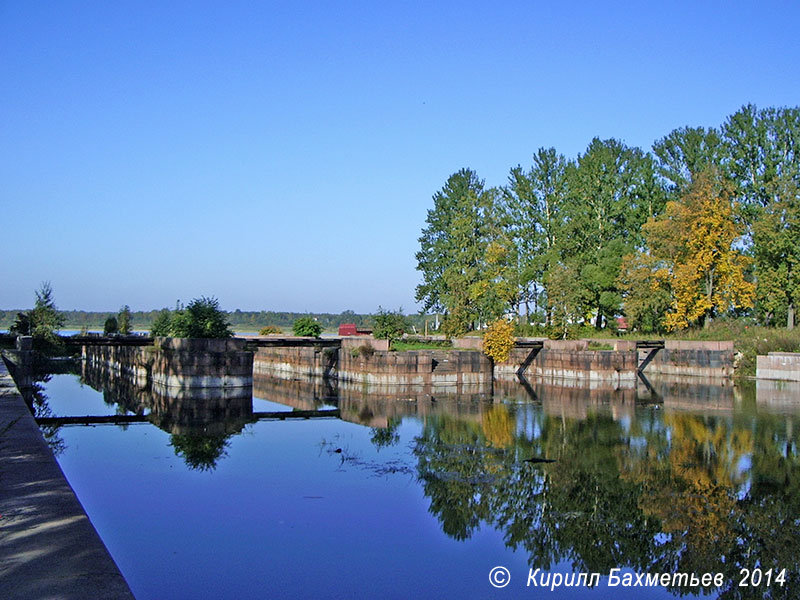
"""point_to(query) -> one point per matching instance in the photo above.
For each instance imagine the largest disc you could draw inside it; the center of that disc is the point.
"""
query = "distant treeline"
(239, 320)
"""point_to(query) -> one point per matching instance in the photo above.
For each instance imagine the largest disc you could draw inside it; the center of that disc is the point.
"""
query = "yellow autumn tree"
(696, 236)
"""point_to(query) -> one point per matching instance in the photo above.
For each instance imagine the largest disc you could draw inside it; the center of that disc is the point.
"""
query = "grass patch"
(600, 346)
(411, 344)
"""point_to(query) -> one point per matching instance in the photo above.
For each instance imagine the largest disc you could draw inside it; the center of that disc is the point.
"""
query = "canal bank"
(48, 546)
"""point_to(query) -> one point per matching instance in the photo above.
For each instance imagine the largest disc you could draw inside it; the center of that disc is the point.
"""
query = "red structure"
(351, 329)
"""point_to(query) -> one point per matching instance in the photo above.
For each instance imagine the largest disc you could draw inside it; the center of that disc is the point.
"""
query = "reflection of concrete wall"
(699, 359)
(569, 398)
(784, 366)
(569, 360)
(206, 411)
(419, 367)
(374, 406)
(778, 393)
(302, 393)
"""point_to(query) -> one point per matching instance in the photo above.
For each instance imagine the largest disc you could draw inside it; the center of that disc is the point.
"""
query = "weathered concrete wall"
(181, 363)
(295, 361)
(421, 367)
(783, 366)
(468, 343)
(570, 360)
(352, 343)
(698, 359)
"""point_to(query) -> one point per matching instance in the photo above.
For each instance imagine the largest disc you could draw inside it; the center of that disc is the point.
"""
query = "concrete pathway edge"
(48, 546)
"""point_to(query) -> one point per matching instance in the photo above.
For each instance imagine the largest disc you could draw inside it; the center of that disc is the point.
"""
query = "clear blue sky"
(283, 155)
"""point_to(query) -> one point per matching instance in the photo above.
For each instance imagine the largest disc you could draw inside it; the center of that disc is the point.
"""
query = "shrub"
(389, 325)
(124, 320)
(365, 350)
(499, 340)
(270, 330)
(161, 324)
(306, 327)
(202, 318)
(110, 327)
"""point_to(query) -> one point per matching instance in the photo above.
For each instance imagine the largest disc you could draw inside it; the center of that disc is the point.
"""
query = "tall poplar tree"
(764, 150)
(535, 203)
(612, 190)
(453, 253)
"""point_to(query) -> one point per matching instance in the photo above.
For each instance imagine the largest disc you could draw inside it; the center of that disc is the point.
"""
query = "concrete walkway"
(48, 547)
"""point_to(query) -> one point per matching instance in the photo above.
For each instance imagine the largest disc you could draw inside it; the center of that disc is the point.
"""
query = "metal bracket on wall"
(654, 346)
(535, 347)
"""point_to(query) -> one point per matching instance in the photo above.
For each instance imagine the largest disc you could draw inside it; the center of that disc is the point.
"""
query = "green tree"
(202, 318)
(307, 327)
(763, 149)
(685, 153)
(45, 319)
(612, 191)
(162, 324)
(124, 320)
(389, 325)
(111, 326)
(22, 324)
(535, 201)
(453, 253)
(644, 282)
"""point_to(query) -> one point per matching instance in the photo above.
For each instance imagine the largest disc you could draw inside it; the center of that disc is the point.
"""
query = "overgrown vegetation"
(110, 327)
(42, 322)
(270, 330)
(307, 327)
(498, 341)
(201, 318)
(389, 325)
(414, 343)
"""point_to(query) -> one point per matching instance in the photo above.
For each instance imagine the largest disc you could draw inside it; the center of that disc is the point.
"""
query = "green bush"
(306, 327)
(389, 325)
(161, 324)
(365, 350)
(110, 327)
(202, 318)
(270, 330)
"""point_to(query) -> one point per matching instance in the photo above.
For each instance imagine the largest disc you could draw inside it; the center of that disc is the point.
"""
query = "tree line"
(705, 224)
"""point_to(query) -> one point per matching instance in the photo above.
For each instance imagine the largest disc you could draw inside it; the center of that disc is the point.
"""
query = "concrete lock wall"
(181, 363)
(423, 367)
(304, 361)
(570, 360)
(700, 359)
(783, 366)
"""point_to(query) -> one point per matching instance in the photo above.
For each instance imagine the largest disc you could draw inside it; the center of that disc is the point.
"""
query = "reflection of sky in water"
(316, 508)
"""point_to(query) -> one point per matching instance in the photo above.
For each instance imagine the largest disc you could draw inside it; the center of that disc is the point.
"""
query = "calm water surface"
(420, 496)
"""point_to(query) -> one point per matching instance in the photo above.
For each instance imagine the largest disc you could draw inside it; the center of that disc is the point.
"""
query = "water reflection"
(678, 476)
(200, 421)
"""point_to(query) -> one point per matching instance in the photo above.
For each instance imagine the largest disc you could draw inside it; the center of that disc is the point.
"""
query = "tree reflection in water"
(200, 452)
(661, 492)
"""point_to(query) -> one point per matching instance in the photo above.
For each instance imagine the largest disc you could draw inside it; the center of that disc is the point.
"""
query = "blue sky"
(283, 155)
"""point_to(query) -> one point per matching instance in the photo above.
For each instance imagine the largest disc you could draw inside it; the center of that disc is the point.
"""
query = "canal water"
(425, 494)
